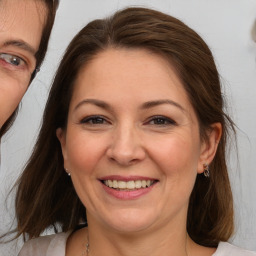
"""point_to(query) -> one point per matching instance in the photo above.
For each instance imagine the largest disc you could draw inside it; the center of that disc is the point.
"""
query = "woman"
(25, 27)
(130, 159)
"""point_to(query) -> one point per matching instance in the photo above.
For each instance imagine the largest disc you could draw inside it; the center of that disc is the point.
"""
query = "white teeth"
(137, 184)
(131, 184)
(144, 183)
(110, 183)
(121, 184)
(114, 184)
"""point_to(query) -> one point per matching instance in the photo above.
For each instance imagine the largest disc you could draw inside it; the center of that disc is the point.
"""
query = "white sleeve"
(227, 249)
(51, 245)
(36, 247)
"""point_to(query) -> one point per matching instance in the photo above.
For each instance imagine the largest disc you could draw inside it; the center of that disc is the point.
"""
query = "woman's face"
(132, 142)
(21, 25)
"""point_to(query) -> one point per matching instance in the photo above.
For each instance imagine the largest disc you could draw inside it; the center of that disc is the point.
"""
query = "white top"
(55, 245)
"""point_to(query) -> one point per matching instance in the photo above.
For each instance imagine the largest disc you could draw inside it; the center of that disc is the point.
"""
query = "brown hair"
(46, 196)
(51, 6)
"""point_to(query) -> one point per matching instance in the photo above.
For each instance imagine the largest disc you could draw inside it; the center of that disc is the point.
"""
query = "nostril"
(124, 160)
(125, 153)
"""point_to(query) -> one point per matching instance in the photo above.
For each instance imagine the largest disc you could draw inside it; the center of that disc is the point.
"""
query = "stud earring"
(206, 171)
(68, 173)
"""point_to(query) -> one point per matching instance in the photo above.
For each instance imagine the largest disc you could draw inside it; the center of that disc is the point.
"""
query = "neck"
(137, 244)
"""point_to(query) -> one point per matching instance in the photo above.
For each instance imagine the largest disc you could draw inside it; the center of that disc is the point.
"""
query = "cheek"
(11, 94)
(177, 161)
(83, 154)
(12, 86)
(177, 156)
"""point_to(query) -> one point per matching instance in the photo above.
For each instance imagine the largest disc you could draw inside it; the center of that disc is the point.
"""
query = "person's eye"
(94, 120)
(161, 121)
(12, 60)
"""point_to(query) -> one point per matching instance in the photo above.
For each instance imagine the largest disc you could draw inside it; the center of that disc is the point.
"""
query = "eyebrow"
(20, 44)
(146, 105)
(154, 103)
(98, 103)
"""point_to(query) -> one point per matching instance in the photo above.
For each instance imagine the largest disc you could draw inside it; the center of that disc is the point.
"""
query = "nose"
(126, 147)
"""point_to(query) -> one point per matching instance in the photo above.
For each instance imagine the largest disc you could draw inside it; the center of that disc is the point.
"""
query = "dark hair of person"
(46, 196)
(51, 6)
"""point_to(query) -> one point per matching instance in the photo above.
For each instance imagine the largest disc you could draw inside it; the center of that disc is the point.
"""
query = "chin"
(131, 221)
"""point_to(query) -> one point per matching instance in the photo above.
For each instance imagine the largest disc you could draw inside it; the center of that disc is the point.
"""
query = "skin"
(143, 125)
(21, 26)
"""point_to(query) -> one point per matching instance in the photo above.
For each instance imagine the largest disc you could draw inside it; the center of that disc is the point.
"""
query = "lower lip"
(127, 194)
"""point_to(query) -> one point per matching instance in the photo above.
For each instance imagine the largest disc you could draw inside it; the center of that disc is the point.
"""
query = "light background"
(225, 25)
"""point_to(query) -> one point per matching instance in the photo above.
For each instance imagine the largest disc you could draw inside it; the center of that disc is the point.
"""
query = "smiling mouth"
(128, 185)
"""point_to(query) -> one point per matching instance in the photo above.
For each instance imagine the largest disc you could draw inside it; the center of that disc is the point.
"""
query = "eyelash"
(9, 58)
(157, 120)
(162, 121)
(94, 120)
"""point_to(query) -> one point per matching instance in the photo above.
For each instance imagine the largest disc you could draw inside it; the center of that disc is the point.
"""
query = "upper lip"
(126, 178)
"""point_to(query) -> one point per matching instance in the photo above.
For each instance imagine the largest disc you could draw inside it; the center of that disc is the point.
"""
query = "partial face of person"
(21, 26)
(132, 142)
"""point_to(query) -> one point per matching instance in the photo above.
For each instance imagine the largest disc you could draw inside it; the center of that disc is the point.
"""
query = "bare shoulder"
(45, 245)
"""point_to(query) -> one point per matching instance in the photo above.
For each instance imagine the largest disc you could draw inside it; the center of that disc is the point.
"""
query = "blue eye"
(12, 59)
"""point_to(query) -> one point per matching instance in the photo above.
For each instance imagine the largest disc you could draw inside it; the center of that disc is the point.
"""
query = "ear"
(209, 146)
(61, 135)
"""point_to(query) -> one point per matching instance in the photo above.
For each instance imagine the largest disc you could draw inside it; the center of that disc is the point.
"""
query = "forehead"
(22, 20)
(132, 74)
